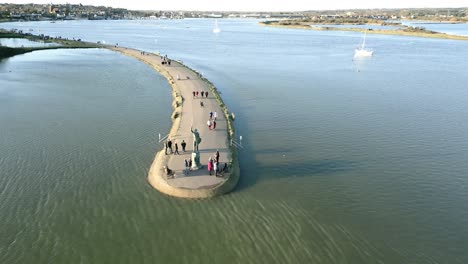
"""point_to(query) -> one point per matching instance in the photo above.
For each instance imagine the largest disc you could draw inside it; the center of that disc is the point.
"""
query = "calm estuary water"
(344, 161)
(19, 42)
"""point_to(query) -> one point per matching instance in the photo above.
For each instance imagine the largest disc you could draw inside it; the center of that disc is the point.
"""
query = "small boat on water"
(362, 51)
(216, 28)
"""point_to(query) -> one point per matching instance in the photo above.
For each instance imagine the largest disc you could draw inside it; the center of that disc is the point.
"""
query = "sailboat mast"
(364, 41)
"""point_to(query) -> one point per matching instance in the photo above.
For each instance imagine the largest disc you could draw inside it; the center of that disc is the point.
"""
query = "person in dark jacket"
(176, 148)
(169, 145)
(183, 144)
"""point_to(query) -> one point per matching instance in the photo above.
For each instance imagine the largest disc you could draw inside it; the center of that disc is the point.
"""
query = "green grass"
(6, 52)
(403, 31)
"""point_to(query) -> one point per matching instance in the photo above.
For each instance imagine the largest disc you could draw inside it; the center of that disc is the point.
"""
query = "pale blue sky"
(255, 5)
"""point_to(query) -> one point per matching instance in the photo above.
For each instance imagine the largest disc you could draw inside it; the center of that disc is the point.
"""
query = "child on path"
(186, 171)
(210, 165)
(209, 124)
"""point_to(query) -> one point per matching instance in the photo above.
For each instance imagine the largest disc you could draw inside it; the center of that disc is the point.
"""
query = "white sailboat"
(362, 51)
(216, 29)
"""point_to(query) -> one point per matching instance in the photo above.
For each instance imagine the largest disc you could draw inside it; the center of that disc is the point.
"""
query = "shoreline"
(156, 177)
(396, 32)
(188, 186)
(7, 52)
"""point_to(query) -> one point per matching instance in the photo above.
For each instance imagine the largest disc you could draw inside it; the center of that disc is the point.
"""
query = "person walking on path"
(215, 115)
(193, 94)
(186, 171)
(214, 124)
(165, 147)
(206, 94)
(169, 145)
(217, 155)
(176, 148)
(209, 124)
(202, 92)
(211, 115)
(183, 144)
(210, 165)
(197, 93)
(215, 168)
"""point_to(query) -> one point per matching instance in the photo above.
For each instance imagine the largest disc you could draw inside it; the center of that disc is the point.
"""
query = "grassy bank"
(6, 52)
(402, 31)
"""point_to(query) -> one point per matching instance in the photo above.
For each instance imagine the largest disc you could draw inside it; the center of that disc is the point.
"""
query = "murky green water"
(344, 162)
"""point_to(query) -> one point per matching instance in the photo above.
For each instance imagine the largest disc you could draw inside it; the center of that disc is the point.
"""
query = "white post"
(159, 135)
(240, 140)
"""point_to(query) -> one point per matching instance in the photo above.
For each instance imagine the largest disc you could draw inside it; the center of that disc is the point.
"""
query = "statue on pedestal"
(195, 154)
(196, 139)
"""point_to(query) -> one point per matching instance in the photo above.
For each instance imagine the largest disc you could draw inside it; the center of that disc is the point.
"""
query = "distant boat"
(362, 51)
(216, 29)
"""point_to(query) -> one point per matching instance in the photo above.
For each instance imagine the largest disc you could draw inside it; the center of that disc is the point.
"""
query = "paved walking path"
(189, 112)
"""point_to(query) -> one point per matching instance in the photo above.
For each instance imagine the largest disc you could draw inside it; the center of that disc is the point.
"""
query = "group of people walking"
(165, 60)
(212, 121)
(188, 165)
(202, 93)
(168, 146)
(213, 166)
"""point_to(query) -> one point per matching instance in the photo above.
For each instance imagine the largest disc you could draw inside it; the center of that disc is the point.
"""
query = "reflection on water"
(20, 42)
(454, 29)
(339, 165)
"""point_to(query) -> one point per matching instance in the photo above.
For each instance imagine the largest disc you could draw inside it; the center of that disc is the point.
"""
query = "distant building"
(52, 9)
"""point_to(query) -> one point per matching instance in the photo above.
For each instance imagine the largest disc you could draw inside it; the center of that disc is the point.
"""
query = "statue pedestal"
(196, 161)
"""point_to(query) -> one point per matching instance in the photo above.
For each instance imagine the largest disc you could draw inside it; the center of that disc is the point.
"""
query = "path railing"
(237, 144)
(163, 138)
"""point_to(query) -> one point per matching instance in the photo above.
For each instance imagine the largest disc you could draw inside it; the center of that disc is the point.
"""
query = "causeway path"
(188, 112)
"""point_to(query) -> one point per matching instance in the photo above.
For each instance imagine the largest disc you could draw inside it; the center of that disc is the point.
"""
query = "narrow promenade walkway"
(188, 113)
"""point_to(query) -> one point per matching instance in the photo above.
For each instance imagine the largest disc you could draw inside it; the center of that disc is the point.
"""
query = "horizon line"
(253, 10)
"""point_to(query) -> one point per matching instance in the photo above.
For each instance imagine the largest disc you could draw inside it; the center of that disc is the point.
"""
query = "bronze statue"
(196, 139)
